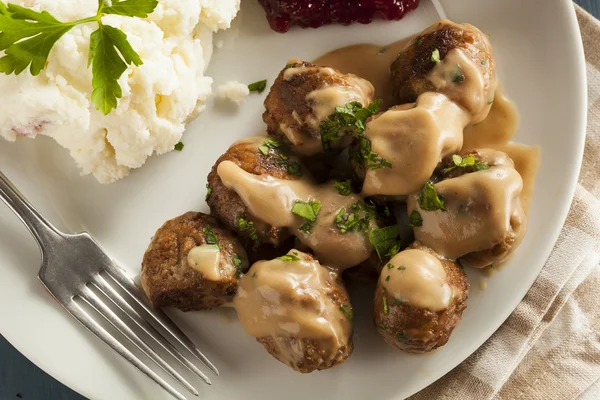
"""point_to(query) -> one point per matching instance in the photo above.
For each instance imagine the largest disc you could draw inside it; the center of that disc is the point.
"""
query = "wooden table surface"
(20, 379)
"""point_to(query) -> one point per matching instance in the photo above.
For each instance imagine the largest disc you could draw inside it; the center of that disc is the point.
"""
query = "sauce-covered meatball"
(419, 300)
(258, 156)
(453, 59)
(298, 310)
(303, 96)
(474, 214)
(193, 263)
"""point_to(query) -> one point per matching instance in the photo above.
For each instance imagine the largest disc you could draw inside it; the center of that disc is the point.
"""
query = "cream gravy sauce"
(418, 278)
(206, 259)
(279, 298)
(271, 200)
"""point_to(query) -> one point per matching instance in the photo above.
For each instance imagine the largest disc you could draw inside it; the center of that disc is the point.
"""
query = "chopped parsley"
(385, 241)
(343, 187)
(357, 220)
(348, 311)
(237, 262)
(208, 192)
(290, 257)
(386, 309)
(415, 219)
(390, 266)
(401, 337)
(295, 169)
(388, 278)
(179, 146)
(435, 56)
(397, 301)
(458, 76)
(268, 145)
(430, 200)
(365, 156)
(210, 236)
(483, 62)
(259, 86)
(464, 162)
(247, 226)
(419, 40)
(401, 268)
(308, 212)
(254, 275)
(347, 120)
(382, 326)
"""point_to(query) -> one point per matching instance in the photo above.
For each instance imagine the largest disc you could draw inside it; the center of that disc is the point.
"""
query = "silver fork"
(73, 265)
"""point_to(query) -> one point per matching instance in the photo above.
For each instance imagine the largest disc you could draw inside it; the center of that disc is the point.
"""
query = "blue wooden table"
(20, 379)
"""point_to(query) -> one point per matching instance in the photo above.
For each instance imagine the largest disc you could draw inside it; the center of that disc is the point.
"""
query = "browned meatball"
(454, 59)
(259, 156)
(193, 263)
(474, 213)
(417, 314)
(303, 96)
(298, 310)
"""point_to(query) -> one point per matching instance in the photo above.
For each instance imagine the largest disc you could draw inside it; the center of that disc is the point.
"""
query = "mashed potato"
(159, 97)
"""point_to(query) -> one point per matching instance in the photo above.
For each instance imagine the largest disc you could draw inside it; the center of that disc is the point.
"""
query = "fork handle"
(39, 227)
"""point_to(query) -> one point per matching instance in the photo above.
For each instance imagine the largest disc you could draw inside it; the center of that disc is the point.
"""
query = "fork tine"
(120, 302)
(125, 281)
(90, 324)
(94, 301)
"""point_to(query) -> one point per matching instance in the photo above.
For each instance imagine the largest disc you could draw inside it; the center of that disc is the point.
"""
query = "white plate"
(540, 60)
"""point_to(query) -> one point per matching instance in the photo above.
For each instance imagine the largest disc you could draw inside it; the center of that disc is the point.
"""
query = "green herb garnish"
(268, 145)
(458, 76)
(210, 236)
(430, 200)
(259, 86)
(390, 266)
(388, 278)
(307, 211)
(418, 40)
(208, 192)
(401, 268)
(365, 156)
(247, 226)
(386, 310)
(401, 337)
(347, 120)
(357, 220)
(343, 187)
(237, 262)
(464, 162)
(397, 301)
(415, 219)
(295, 169)
(483, 62)
(27, 37)
(348, 311)
(382, 326)
(290, 257)
(385, 241)
(435, 56)
(179, 146)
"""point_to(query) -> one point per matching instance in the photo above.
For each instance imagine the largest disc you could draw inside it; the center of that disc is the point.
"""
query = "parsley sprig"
(430, 200)
(27, 37)
(308, 211)
(465, 162)
(347, 120)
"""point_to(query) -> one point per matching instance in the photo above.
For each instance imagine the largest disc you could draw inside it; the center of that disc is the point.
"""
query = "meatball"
(453, 59)
(303, 96)
(419, 300)
(474, 213)
(259, 156)
(298, 310)
(193, 263)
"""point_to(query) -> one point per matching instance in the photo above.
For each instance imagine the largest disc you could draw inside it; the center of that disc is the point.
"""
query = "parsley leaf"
(259, 86)
(179, 146)
(385, 241)
(435, 56)
(268, 145)
(208, 192)
(356, 221)
(343, 187)
(464, 162)
(347, 120)
(348, 311)
(430, 200)
(386, 309)
(129, 8)
(415, 219)
(290, 257)
(110, 53)
(237, 263)
(401, 337)
(307, 211)
(295, 169)
(368, 158)
(27, 37)
(210, 236)
(458, 76)
(247, 226)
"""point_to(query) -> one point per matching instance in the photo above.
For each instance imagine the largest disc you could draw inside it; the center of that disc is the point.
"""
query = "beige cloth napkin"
(549, 348)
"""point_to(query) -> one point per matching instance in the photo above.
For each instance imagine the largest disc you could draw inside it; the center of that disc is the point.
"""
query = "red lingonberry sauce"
(282, 14)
